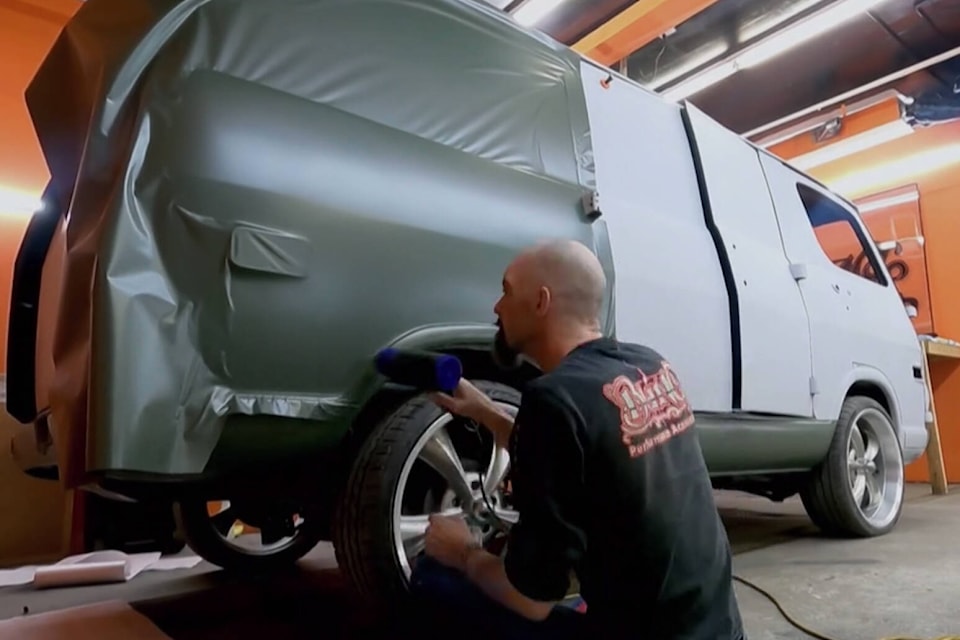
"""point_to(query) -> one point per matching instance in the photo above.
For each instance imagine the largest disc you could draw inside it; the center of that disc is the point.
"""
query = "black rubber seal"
(733, 297)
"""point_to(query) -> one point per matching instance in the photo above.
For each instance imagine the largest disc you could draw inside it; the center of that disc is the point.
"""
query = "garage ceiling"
(890, 36)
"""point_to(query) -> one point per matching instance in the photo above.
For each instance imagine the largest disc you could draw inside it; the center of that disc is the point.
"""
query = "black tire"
(363, 530)
(828, 495)
(203, 538)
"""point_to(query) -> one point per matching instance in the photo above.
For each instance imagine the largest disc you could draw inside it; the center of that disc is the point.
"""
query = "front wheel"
(419, 461)
(857, 491)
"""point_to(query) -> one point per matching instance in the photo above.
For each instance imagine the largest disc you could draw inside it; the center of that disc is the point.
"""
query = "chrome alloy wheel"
(875, 467)
(254, 536)
(459, 487)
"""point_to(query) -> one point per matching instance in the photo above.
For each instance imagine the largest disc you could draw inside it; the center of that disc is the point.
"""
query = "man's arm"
(470, 402)
(487, 571)
(544, 545)
(498, 422)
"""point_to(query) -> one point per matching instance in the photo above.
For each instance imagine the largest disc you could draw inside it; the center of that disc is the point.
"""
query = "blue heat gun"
(424, 370)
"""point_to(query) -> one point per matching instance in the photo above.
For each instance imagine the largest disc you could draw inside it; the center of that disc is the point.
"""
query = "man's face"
(517, 319)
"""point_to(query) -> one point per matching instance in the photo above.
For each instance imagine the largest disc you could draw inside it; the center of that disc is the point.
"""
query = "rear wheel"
(857, 491)
(249, 536)
(418, 461)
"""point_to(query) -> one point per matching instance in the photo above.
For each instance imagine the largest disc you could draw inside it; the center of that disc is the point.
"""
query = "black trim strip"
(24, 310)
(733, 297)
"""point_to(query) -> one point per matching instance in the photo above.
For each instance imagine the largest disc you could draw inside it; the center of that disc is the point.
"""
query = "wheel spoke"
(507, 515)
(413, 530)
(859, 488)
(874, 488)
(440, 454)
(497, 469)
(871, 451)
(856, 441)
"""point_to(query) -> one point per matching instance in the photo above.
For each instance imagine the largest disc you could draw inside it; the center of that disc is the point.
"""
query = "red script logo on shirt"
(652, 403)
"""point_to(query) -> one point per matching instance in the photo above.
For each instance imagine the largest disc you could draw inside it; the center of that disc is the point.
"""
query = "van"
(249, 200)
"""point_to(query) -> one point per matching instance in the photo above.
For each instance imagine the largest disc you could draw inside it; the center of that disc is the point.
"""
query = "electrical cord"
(472, 425)
(810, 632)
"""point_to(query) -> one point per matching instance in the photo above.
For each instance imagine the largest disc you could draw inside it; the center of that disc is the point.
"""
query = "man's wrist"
(497, 421)
(486, 412)
(467, 553)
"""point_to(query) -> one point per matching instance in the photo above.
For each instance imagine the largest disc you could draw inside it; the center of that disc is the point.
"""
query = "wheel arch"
(471, 342)
(872, 383)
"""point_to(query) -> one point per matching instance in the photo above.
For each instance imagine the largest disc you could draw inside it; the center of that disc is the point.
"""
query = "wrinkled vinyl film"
(232, 170)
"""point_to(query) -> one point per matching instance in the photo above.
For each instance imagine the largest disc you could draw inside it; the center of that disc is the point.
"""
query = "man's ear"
(543, 301)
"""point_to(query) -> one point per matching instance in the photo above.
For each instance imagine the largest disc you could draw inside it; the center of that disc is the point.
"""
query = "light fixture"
(851, 145)
(701, 81)
(533, 11)
(803, 30)
(900, 171)
(892, 201)
(779, 42)
(19, 203)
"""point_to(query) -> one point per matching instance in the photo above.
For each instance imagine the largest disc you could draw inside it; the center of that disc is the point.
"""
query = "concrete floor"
(905, 584)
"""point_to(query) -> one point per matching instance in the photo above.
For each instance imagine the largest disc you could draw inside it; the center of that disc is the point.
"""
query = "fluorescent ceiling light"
(779, 42)
(804, 30)
(892, 201)
(20, 203)
(854, 144)
(784, 15)
(702, 81)
(534, 10)
(900, 171)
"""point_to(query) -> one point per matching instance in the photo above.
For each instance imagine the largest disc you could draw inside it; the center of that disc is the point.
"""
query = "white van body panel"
(805, 330)
(774, 332)
(648, 191)
(860, 329)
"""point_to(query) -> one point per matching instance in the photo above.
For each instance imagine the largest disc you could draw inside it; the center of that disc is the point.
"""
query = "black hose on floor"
(810, 632)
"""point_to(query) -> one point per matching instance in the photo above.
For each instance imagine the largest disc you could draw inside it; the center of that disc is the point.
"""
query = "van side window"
(841, 239)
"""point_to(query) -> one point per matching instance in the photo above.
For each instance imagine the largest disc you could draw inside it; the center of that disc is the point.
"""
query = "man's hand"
(466, 401)
(469, 402)
(449, 541)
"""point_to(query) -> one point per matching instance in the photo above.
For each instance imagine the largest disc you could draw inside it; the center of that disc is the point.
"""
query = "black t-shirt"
(611, 485)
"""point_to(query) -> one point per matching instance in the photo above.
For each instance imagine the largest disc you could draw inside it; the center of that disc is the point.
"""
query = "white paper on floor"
(99, 567)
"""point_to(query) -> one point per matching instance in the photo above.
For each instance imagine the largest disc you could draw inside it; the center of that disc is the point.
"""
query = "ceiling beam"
(642, 22)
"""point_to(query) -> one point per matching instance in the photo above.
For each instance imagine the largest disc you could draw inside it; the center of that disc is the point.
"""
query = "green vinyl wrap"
(263, 193)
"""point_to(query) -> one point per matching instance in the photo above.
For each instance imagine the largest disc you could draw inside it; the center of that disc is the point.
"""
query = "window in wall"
(841, 238)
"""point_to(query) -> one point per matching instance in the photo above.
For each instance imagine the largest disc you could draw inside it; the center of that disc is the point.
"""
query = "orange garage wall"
(28, 29)
(35, 522)
(930, 159)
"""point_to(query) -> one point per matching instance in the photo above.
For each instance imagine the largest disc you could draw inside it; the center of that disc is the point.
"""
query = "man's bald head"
(552, 297)
(573, 276)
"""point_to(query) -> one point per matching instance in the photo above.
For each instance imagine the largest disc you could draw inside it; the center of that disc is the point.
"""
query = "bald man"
(607, 475)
